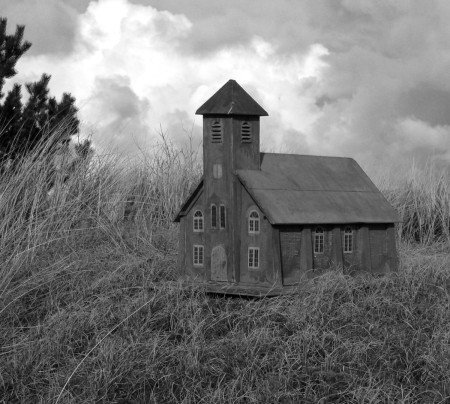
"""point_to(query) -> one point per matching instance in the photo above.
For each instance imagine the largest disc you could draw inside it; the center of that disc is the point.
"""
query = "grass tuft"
(91, 310)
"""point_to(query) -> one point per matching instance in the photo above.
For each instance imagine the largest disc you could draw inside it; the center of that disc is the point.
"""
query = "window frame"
(348, 240)
(222, 217)
(319, 240)
(253, 258)
(198, 222)
(213, 216)
(254, 223)
(198, 255)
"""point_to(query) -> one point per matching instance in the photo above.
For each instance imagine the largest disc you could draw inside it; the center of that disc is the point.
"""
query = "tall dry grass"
(421, 196)
(90, 311)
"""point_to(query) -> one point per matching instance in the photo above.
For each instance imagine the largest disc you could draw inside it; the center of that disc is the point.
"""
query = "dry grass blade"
(90, 312)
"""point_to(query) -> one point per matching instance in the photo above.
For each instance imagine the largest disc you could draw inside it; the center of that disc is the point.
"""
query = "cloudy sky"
(359, 78)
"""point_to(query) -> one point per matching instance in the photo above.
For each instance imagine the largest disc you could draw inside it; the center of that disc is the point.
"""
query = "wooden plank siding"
(292, 195)
(290, 242)
(276, 253)
(392, 256)
(364, 255)
(263, 240)
(337, 257)
(306, 257)
(378, 250)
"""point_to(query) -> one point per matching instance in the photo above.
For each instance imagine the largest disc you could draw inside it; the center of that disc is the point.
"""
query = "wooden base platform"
(245, 290)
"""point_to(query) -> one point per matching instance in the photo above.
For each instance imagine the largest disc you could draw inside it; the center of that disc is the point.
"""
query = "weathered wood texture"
(365, 262)
(276, 254)
(392, 261)
(290, 241)
(306, 257)
(289, 195)
(231, 99)
(337, 258)
(263, 240)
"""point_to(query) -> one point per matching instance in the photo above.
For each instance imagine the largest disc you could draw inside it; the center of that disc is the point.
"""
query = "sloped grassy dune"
(90, 310)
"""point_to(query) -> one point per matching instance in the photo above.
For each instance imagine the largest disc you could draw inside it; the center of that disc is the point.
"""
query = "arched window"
(216, 132)
(246, 132)
(213, 216)
(198, 221)
(253, 222)
(348, 240)
(222, 216)
(318, 240)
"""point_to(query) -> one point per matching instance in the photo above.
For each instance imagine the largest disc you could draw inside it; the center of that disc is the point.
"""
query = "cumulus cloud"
(420, 139)
(129, 74)
(122, 114)
(360, 79)
(51, 28)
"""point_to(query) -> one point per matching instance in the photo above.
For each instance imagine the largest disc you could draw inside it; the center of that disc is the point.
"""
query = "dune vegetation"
(91, 310)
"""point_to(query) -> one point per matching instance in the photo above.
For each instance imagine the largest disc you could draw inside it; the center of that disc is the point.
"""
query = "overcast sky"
(365, 79)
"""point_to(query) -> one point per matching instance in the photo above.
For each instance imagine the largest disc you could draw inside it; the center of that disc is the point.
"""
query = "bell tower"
(231, 140)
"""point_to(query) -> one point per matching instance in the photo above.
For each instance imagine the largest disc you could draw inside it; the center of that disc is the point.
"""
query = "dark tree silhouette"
(23, 126)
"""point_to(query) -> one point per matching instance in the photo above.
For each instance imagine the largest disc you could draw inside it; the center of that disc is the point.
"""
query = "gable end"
(190, 201)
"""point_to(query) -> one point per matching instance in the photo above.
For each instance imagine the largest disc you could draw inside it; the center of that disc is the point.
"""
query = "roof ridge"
(231, 99)
(308, 155)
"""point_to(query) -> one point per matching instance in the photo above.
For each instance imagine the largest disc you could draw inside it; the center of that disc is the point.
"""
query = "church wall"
(246, 154)
(195, 238)
(323, 260)
(266, 273)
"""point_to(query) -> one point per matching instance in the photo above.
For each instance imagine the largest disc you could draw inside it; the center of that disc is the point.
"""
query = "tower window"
(253, 257)
(253, 222)
(318, 240)
(246, 132)
(213, 216)
(198, 221)
(216, 132)
(198, 255)
(222, 216)
(217, 171)
(348, 240)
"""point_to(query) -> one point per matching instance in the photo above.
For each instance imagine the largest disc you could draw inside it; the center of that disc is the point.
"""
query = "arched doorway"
(218, 264)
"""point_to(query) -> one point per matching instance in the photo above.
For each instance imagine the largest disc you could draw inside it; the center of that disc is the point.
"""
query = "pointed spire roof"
(231, 99)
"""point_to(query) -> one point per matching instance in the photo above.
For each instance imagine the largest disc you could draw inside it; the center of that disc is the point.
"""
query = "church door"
(218, 264)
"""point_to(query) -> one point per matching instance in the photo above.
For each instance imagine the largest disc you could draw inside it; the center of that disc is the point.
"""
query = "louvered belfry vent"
(246, 132)
(216, 132)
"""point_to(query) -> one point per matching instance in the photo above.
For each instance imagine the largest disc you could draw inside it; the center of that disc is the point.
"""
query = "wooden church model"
(257, 223)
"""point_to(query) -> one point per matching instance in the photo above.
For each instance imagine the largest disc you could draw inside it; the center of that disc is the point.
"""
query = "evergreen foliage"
(25, 125)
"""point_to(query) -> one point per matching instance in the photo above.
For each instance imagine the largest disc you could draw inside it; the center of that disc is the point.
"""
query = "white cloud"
(416, 135)
(139, 49)
(361, 80)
